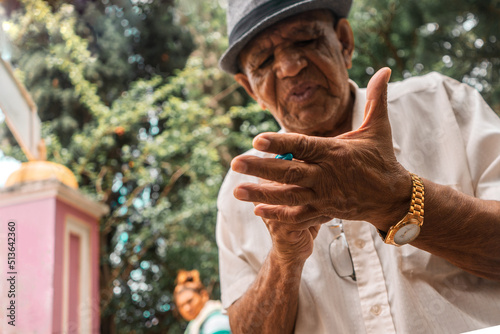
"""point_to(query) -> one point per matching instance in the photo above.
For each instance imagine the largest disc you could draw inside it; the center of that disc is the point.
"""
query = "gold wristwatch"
(408, 228)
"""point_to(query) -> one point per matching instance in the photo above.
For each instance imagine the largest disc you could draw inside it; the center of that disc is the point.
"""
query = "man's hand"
(292, 242)
(352, 176)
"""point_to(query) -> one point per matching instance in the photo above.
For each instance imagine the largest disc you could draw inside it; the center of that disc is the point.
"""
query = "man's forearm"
(462, 229)
(270, 304)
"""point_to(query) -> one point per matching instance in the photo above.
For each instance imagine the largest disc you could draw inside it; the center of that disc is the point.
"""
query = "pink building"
(53, 282)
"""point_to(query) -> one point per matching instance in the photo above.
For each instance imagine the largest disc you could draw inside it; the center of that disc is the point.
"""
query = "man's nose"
(289, 62)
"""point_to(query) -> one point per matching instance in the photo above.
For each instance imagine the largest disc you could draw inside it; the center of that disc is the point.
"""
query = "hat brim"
(229, 60)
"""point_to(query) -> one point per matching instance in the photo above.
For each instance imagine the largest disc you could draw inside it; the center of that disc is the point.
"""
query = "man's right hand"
(274, 293)
(293, 242)
(291, 245)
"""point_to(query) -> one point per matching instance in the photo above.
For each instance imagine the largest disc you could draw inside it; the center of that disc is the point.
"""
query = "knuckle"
(304, 144)
(293, 219)
(264, 197)
(294, 197)
(298, 215)
(283, 216)
(292, 174)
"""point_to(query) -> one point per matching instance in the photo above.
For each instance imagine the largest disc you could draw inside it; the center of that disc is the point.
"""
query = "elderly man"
(345, 245)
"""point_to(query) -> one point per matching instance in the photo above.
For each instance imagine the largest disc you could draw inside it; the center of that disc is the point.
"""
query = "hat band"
(257, 15)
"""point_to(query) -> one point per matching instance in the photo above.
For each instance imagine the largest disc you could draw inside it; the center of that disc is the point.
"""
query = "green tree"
(457, 38)
(127, 40)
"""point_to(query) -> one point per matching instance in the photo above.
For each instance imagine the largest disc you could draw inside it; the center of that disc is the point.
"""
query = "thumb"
(376, 100)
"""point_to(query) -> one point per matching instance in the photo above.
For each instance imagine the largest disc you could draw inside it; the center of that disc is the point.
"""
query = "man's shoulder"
(430, 82)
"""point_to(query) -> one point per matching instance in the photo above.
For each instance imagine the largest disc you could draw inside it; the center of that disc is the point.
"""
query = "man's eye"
(267, 61)
(306, 42)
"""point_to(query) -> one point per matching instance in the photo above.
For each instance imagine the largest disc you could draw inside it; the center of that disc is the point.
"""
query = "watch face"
(406, 234)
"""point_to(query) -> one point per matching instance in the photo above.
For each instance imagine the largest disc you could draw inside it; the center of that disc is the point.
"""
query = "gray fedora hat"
(246, 18)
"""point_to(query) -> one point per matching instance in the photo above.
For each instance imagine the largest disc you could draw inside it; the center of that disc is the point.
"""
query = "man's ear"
(346, 39)
(242, 79)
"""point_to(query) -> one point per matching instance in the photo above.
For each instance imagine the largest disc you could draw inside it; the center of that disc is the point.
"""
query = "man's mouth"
(302, 93)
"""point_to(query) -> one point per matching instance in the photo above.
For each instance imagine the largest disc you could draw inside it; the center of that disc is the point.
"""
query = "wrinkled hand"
(290, 245)
(292, 242)
(352, 176)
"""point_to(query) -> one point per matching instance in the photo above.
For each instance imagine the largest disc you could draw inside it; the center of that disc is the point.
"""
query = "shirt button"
(376, 310)
(360, 243)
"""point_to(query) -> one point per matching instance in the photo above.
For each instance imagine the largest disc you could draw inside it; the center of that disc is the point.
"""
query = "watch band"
(417, 197)
(416, 211)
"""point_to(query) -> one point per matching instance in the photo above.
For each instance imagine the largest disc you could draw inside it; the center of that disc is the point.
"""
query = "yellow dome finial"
(42, 170)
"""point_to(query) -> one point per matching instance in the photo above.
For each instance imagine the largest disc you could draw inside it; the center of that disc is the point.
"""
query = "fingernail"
(258, 211)
(241, 194)
(239, 166)
(261, 144)
(388, 75)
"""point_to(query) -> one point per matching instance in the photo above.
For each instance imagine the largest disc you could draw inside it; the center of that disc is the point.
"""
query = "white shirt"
(443, 131)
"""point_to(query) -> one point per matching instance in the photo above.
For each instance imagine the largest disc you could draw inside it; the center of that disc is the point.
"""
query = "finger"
(376, 120)
(309, 223)
(289, 214)
(273, 193)
(306, 148)
(376, 98)
(277, 226)
(282, 171)
(314, 230)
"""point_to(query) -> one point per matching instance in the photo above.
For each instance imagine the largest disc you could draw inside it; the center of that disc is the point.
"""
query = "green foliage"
(456, 38)
(94, 48)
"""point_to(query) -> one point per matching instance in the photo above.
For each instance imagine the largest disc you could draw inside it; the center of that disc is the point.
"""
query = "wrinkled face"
(190, 303)
(297, 69)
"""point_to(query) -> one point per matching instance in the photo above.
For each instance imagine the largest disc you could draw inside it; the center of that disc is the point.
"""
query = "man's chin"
(311, 126)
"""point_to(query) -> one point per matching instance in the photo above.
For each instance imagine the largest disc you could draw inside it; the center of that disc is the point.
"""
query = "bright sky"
(7, 164)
